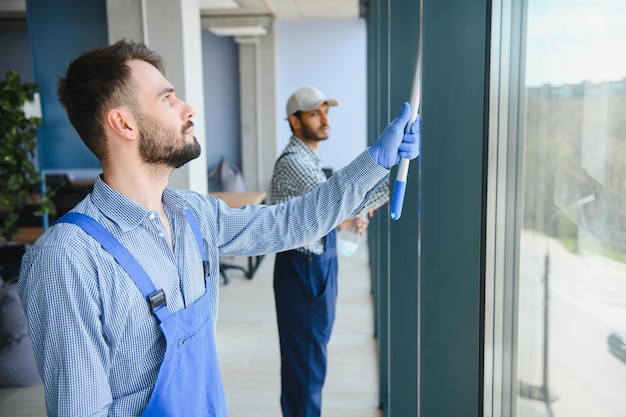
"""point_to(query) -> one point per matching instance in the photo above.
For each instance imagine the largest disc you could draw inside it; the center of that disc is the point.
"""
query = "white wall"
(331, 56)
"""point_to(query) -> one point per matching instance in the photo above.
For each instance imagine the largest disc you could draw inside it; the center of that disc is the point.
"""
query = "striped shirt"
(97, 347)
(297, 171)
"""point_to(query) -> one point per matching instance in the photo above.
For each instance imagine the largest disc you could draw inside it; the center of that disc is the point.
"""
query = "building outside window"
(563, 312)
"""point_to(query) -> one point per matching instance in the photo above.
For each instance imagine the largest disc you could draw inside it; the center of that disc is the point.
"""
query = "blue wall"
(220, 60)
(59, 31)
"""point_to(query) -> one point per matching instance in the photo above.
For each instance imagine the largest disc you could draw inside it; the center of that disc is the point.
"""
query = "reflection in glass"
(571, 360)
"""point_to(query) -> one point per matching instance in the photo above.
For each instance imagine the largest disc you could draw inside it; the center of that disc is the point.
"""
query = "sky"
(570, 41)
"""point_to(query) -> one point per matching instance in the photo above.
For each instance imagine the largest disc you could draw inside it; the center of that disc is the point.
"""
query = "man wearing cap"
(305, 279)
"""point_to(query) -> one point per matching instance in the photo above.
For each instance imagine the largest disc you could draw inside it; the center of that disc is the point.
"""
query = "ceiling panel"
(13, 12)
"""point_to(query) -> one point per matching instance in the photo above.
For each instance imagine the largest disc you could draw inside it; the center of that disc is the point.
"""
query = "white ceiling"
(279, 9)
(284, 9)
(228, 17)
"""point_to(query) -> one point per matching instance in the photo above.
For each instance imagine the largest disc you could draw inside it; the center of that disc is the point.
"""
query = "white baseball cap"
(307, 99)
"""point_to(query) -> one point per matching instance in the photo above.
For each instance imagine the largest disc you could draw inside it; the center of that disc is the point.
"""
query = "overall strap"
(155, 298)
(195, 228)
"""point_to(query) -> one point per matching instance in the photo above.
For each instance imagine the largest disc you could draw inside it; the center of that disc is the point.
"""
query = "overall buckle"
(156, 300)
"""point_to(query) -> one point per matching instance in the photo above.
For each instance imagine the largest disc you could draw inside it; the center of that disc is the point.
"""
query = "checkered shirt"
(297, 171)
(96, 344)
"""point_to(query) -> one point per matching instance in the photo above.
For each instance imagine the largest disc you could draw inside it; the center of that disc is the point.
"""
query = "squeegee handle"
(397, 200)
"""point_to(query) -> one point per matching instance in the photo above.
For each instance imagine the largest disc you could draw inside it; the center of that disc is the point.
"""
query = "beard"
(160, 145)
(311, 135)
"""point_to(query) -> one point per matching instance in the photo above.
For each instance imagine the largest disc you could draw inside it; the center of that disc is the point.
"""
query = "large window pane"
(572, 263)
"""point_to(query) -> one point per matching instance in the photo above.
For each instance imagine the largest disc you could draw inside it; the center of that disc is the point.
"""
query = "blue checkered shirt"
(297, 171)
(96, 344)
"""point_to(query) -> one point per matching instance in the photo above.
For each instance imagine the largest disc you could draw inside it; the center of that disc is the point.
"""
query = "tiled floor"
(248, 350)
(247, 340)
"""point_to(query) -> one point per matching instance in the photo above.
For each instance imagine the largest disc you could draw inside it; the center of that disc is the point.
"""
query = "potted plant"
(20, 182)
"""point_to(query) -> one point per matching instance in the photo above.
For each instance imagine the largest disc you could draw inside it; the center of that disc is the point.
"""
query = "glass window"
(571, 317)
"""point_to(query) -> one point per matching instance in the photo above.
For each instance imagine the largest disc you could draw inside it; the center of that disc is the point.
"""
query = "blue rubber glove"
(394, 143)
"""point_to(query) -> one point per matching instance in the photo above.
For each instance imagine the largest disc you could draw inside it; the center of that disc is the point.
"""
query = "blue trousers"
(305, 292)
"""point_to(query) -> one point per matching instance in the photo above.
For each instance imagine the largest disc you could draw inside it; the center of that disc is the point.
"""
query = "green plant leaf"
(18, 135)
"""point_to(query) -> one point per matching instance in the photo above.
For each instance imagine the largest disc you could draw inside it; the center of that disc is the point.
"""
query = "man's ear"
(122, 122)
(294, 121)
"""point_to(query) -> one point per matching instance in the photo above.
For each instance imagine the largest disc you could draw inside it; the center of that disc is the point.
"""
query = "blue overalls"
(189, 382)
(305, 288)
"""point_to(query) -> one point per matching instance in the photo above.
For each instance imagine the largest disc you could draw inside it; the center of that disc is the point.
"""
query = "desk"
(238, 200)
(27, 235)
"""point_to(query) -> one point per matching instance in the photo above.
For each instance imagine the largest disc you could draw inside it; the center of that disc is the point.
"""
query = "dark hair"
(298, 114)
(97, 81)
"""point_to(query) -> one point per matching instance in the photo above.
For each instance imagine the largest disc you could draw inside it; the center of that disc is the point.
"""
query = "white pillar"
(257, 80)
